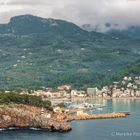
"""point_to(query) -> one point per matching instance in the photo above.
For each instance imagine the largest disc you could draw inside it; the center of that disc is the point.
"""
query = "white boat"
(86, 106)
(100, 109)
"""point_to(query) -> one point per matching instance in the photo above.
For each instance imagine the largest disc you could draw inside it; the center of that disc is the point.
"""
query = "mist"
(100, 14)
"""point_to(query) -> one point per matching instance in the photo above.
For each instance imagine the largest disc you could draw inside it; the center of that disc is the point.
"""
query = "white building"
(92, 91)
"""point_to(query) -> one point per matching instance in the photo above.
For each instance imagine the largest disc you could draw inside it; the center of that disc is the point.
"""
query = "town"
(127, 87)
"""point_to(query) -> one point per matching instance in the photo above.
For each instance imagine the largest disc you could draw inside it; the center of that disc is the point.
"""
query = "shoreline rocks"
(27, 117)
(20, 118)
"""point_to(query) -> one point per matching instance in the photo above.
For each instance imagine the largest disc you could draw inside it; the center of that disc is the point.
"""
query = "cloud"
(98, 13)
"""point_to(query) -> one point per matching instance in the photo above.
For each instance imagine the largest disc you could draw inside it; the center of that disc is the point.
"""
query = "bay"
(106, 129)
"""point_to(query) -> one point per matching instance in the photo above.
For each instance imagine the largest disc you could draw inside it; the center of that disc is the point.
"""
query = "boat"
(86, 106)
(100, 109)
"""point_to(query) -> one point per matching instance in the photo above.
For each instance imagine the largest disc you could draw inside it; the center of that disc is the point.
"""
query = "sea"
(102, 129)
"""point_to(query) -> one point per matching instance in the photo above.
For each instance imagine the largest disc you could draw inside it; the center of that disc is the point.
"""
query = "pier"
(85, 116)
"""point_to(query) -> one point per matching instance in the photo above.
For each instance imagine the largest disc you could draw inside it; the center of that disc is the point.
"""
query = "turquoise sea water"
(109, 129)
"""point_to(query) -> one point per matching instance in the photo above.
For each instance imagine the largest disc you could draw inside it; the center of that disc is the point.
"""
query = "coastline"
(20, 116)
(27, 117)
(103, 98)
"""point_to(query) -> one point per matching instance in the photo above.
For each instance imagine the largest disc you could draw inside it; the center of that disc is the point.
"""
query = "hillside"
(132, 70)
(37, 52)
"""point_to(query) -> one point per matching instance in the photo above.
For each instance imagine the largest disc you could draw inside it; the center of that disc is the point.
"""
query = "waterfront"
(118, 129)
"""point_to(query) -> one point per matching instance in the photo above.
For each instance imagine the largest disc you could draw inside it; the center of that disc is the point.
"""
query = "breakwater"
(86, 116)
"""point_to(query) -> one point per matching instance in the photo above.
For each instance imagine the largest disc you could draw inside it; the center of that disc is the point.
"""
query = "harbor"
(86, 106)
(90, 127)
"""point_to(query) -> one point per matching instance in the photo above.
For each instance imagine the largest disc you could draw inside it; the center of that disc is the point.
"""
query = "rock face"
(27, 117)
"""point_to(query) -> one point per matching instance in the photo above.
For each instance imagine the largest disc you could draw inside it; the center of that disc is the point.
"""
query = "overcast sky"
(120, 13)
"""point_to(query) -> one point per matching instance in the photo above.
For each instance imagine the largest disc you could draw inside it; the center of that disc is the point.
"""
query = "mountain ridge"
(33, 24)
(32, 57)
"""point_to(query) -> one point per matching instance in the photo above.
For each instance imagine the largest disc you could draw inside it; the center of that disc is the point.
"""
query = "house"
(7, 91)
(137, 81)
(138, 93)
(132, 93)
(24, 92)
(39, 93)
(116, 92)
(48, 94)
(125, 78)
(129, 85)
(116, 83)
(57, 109)
(73, 93)
(136, 78)
(66, 110)
(129, 78)
(105, 91)
(80, 112)
(135, 87)
(64, 87)
(77, 93)
(42, 111)
(104, 94)
(48, 116)
(81, 95)
(123, 82)
(57, 94)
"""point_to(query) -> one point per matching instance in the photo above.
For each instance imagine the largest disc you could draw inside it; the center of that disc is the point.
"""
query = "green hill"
(132, 70)
(37, 52)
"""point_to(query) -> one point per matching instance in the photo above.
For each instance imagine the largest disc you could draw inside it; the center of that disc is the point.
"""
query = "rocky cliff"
(23, 116)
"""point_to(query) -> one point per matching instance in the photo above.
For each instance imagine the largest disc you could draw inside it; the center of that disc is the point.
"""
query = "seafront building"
(127, 87)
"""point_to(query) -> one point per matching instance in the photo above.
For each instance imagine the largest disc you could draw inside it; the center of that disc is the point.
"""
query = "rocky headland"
(25, 116)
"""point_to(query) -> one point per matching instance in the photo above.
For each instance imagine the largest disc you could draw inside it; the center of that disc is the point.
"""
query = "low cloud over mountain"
(100, 14)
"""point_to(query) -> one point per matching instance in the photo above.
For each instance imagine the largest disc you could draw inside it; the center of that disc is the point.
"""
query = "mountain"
(28, 24)
(37, 52)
